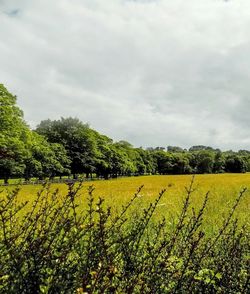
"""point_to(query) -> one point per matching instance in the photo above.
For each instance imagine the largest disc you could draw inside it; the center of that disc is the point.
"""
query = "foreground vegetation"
(58, 245)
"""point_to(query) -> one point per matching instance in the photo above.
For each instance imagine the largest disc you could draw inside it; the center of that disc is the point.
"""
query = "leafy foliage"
(69, 147)
(77, 138)
(57, 248)
(24, 153)
(13, 134)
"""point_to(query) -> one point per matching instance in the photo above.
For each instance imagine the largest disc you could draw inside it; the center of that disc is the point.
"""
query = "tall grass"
(57, 246)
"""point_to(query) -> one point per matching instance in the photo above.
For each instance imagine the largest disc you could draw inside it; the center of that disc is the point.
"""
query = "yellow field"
(223, 191)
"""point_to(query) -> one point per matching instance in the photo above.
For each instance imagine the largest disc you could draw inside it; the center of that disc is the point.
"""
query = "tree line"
(68, 146)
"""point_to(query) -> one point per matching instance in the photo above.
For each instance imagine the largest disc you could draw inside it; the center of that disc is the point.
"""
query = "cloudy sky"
(153, 72)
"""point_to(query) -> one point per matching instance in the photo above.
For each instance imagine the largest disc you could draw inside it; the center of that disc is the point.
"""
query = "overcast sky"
(152, 72)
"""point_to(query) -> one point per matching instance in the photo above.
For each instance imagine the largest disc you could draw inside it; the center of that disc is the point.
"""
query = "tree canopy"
(24, 153)
(70, 147)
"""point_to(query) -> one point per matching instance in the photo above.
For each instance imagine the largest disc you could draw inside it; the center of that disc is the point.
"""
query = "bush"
(55, 247)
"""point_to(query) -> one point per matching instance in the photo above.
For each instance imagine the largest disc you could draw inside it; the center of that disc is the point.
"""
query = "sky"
(152, 72)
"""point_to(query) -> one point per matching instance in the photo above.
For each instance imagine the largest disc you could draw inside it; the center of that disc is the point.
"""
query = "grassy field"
(223, 189)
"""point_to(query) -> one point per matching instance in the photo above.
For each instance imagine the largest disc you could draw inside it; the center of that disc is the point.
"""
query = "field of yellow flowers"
(222, 188)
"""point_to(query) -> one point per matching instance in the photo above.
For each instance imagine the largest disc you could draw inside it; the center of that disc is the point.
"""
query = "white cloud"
(155, 73)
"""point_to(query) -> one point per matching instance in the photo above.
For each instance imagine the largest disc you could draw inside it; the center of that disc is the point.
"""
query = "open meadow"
(223, 190)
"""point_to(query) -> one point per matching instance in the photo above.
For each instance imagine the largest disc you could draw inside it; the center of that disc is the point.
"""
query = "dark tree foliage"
(24, 153)
(69, 147)
(174, 149)
(13, 134)
(235, 164)
(77, 138)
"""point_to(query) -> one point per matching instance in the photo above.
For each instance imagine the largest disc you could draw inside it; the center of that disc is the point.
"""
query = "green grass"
(223, 189)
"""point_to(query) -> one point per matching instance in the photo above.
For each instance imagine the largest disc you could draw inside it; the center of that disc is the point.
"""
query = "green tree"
(181, 164)
(103, 162)
(13, 136)
(219, 162)
(174, 149)
(123, 159)
(164, 162)
(202, 161)
(23, 152)
(45, 159)
(77, 138)
(148, 159)
(235, 164)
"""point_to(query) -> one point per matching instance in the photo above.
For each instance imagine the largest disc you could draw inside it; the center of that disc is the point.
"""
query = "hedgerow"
(58, 247)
